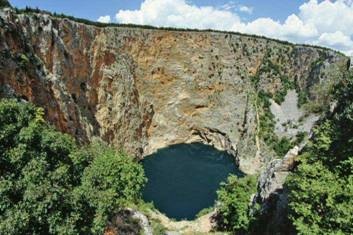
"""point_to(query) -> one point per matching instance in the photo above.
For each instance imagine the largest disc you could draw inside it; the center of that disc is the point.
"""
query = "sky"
(326, 23)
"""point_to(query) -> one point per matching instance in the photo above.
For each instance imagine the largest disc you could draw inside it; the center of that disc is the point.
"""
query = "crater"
(183, 178)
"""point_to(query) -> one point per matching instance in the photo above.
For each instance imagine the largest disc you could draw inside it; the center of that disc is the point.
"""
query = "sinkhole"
(183, 179)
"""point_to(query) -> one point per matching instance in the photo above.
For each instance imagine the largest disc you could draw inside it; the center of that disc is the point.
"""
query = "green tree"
(35, 173)
(112, 181)
(321, 202)
(4, 3)
(321, 188)
(234, 203)
(49, 185)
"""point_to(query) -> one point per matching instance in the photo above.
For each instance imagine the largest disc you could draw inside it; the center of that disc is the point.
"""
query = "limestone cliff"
(272, 196)
(143, 89)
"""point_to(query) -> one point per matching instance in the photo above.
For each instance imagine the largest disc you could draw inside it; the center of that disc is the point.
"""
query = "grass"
(204, 211)
(157, 227)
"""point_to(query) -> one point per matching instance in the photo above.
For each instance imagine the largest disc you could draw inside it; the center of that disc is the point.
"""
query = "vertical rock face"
(272, 196)
(143, 89)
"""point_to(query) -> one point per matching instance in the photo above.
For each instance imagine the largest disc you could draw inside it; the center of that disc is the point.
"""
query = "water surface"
(183, 179)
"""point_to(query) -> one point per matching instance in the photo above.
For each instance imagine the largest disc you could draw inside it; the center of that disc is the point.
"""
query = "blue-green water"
(183, 179)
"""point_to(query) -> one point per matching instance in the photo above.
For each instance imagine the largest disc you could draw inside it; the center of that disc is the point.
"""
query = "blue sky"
(92, 9)
(321, 22)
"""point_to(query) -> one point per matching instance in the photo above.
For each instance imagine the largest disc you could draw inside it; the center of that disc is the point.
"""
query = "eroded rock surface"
(272, 196)
(272, 179)
(290, 119)
(144, 89)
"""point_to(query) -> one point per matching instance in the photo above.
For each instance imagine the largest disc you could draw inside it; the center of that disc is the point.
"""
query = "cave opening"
(183, 178)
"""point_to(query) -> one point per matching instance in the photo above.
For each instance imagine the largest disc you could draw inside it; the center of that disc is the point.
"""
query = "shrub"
(204, 211)
(282, 146)
(233, 207)
(110, 182)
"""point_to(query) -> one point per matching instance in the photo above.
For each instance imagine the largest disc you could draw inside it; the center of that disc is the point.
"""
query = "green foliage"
(234, 203)
(35, 173)
(267, 125)
(110, 182)
(269, 68)
(321, 188)
(255, 80)
(287, 84)
(300, 136)
(266, 118)
(302, 98)
(204, 211)
(282, 146)
(157, 227)
(23, 60)
(4, 3)
(321, 201)
(48, 185)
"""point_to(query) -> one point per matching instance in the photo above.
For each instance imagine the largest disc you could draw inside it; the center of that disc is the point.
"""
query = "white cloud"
(293, 29)
(246, 9)
(327, 23)
(104, 19)
(336, 40)
(233, 6)
(178, 13)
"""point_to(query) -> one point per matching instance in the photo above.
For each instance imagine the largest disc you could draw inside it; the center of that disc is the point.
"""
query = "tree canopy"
(50, 185)
(321, 188)
(4, 3)
(234, 203)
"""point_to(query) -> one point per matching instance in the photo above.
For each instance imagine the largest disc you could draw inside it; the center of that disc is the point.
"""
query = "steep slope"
(143, 89)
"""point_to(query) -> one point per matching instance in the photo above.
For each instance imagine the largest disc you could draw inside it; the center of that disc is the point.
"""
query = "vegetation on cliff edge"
(30, 10)
(50, 185)
(321, 188)
(234, 204)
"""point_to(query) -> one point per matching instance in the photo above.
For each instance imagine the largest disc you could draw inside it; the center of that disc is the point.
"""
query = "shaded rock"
(128, 222)
(273, 197)
(273, 177)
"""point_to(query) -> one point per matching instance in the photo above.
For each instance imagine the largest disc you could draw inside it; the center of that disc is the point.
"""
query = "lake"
(183, 179)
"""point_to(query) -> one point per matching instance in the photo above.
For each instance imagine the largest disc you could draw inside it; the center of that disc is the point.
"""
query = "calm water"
(183, 179)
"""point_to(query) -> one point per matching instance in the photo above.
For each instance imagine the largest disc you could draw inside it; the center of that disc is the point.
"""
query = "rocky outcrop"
(272, 179)
(272, 196)
(291, 120)
(144, 89)
(215, 138)
(129, 221)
